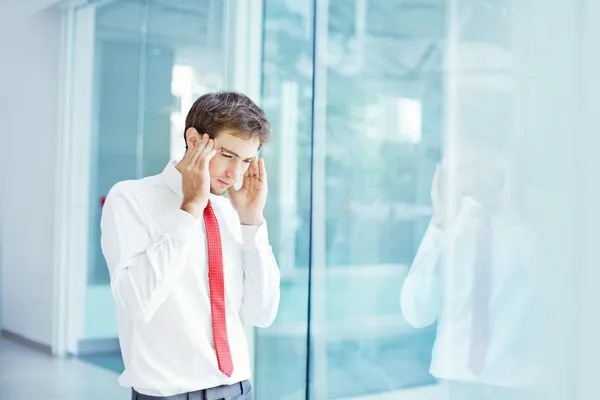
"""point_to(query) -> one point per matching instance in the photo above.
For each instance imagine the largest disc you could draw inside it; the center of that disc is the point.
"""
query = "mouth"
(222, 182)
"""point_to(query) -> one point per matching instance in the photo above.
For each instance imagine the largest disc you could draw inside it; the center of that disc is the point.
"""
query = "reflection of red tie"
(481, 296)
(217, 291)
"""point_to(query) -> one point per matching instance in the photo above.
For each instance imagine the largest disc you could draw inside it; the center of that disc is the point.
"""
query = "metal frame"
(316, 367)
(72, 200)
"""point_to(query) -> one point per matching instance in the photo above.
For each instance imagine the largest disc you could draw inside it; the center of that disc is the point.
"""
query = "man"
(475, 273)
(189, 266)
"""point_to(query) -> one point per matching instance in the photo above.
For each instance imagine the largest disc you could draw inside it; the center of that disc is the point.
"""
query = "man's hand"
(249, 201)
(195, 176)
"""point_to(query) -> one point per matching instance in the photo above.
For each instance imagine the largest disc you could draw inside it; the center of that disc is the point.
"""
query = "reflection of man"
(474, 274)
(188, 267)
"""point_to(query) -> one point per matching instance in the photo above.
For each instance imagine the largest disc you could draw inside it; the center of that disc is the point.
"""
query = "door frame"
(73, 205)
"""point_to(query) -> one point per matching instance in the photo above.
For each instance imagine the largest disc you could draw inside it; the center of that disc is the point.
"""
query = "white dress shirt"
(439, 287)
(157, 257)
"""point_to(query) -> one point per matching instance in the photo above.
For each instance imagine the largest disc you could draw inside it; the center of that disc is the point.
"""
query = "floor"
(355, 368)
(26, 374)
(30, 374)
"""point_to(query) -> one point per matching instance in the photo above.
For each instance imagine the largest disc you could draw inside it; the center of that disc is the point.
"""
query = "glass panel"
(153, 60)
(281, 350)
(184, 59)
(510, 101)
(380, 133)
(115, 124)
(399, 87)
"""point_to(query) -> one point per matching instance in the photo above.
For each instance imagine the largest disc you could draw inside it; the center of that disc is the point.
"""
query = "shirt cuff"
(255, 236)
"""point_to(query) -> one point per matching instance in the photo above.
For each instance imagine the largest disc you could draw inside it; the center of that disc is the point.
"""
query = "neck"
(179, 167)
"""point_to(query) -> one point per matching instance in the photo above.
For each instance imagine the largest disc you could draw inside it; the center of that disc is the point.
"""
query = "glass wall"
(151, 60)
(366, 98)
(287, 96)
(373, 143)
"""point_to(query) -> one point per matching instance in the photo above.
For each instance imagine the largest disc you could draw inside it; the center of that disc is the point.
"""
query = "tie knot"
(209, 214)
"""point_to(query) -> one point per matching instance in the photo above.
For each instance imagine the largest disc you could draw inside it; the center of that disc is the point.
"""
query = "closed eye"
(227, 155)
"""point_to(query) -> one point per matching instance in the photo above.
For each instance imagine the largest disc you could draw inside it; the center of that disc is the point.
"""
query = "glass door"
(137, 67)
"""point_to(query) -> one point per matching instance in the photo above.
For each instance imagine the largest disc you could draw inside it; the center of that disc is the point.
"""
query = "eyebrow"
(234, 153)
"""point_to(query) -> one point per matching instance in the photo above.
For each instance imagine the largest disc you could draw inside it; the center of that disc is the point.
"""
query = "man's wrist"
(252, 221)
(191, 208)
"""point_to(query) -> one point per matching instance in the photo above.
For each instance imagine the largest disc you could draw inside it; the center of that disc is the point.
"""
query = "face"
(234, 153)
(230, 163)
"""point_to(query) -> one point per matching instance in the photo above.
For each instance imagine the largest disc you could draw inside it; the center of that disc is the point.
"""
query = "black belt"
(239, 389)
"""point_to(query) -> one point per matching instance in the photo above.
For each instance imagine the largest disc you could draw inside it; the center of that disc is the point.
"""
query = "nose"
(233, 170)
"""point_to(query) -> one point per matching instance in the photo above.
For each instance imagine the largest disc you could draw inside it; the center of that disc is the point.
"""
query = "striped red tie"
(216, 283)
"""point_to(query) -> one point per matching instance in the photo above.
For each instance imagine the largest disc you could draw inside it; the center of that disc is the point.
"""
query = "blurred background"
(364, 96)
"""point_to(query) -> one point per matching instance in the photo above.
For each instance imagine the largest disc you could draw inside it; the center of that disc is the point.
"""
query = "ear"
(192, 137)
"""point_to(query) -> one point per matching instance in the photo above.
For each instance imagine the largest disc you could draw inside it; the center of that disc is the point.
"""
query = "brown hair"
(213, 112)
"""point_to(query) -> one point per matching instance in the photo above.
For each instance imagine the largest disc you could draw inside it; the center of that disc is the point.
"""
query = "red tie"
(217, 291)
(481, 297)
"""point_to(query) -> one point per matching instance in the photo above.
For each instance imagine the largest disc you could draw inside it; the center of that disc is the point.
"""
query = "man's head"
(240, 128)
(480, 170)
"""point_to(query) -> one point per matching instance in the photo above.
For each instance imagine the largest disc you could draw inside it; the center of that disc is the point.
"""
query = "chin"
(218, 191)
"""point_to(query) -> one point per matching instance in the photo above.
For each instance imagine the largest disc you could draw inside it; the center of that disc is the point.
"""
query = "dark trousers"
(237, 391)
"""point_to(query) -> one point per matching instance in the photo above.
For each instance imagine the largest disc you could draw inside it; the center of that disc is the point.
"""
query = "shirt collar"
(172, 178)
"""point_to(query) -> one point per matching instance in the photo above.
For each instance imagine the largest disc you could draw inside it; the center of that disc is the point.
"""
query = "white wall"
(22, 8)
(588, 328)
(28, 137)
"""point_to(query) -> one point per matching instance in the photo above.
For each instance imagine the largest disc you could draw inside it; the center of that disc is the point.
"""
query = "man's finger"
(210, 154)
(205, 159)
(262, 170)
(200, 146)
(194, 147)
(204, 149)
(253, 174)
(247, 179)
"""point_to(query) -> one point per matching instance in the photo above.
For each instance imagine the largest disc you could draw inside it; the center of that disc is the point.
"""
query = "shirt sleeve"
(142, 271)
(421, 294)
(260, 300)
